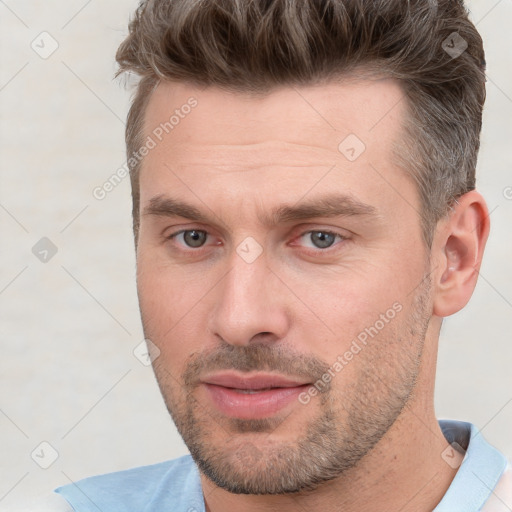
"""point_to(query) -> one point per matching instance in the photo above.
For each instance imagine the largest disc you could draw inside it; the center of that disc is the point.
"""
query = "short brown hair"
(253, 46)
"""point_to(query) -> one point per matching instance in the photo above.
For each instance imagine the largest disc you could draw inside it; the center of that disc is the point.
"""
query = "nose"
(249, 304)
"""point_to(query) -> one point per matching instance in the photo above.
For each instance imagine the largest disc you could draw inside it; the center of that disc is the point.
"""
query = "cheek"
(167, 292)
(342, 304)
(171, 308)
(359, 317)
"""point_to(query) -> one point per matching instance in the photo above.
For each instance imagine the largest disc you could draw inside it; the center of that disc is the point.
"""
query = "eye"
(314, 239)
(193, 238)
(321, 239)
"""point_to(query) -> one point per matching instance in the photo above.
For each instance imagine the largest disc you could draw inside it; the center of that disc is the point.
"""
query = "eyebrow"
(331, 205)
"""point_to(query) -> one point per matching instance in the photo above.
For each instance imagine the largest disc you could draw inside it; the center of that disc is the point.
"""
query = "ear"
(457, 252)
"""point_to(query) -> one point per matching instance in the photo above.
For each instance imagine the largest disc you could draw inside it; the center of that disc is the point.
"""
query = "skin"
(236, 158)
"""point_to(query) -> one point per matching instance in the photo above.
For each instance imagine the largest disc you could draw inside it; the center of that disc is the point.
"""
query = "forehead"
(214, 144)
(324, 112)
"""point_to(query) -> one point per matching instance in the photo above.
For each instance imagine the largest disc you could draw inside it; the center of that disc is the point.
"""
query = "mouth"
(251, 395)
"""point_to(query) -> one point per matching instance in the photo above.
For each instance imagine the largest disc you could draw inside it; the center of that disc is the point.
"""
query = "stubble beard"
(250, 460)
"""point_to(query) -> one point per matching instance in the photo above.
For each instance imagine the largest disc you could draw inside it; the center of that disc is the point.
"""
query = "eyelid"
(174, 234)
(329, 231)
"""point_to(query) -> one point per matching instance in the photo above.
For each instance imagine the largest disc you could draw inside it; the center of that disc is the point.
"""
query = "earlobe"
(459, 244)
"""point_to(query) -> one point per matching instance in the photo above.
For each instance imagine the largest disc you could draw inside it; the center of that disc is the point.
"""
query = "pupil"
(322, 240)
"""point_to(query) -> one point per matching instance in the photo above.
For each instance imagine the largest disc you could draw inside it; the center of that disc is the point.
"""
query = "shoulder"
(133, 489)
(501, 497)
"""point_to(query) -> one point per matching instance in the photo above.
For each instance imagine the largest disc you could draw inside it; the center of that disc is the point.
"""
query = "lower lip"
(257, 405)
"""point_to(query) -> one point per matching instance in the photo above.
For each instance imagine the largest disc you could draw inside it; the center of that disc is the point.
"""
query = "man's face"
(305, 266)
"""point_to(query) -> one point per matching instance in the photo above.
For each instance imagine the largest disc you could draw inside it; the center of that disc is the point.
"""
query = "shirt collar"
(473, 484)
(477, 476)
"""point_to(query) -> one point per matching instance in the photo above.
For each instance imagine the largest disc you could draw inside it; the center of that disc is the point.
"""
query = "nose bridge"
(246, 304)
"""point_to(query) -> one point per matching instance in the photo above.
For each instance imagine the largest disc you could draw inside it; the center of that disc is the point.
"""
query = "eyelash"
(311, 250)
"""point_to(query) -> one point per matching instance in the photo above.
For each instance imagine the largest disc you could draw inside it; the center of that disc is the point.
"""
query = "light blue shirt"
(175, 486)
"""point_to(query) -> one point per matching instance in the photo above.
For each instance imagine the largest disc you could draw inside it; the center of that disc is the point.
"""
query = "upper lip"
(252, 380)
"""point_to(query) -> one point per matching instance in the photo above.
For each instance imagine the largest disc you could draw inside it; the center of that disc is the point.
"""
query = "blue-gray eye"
(322, 239)
(194, 237)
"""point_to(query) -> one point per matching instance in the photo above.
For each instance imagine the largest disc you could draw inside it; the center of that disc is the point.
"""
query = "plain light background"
(69, 326)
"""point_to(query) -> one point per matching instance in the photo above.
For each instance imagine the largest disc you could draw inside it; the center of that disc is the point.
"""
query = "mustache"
(257, 357)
